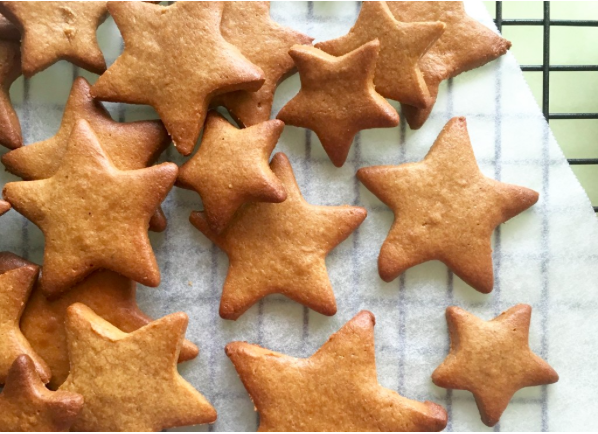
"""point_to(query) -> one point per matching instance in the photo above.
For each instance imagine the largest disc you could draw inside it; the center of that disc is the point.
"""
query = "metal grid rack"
(546, 68)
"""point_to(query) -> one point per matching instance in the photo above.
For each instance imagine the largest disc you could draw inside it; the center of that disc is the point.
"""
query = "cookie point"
(366, 317)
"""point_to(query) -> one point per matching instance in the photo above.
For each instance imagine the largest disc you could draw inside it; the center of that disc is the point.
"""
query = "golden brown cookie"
(15, 287)
(93, 215)
(337, 98)
(8, 31)
(336, 389)
(231, 168)
(281, 248)
(4, 207)
(175, 60)
(445, 209)
(26, 404)
(248, 26)
(491, 359)
(398, 75)
(55, 30)
(129, 380)
(465, 44)
(130, 146)
(10, 69)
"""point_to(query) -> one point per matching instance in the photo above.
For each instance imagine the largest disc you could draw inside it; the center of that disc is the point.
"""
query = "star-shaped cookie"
(491, 359)
(132, 145)
(248, 26)
(398, 75)
(15, 287)
(281, 248)
(8, 31)
(231, 168)
(177, 67)
(10, 69)
(55, 30)
(445, 209)
(337, 98)
(4, 207)
(110, 295)
(336, 389)
(92, 214)
(129, 380)
(26, 404)
(465, 44)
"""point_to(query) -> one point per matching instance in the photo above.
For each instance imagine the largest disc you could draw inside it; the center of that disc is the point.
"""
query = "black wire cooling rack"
(546, 68)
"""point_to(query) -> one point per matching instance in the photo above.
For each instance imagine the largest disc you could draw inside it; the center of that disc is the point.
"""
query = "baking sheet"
(545, 257)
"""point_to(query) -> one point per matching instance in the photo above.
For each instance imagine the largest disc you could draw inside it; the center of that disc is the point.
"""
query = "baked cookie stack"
(77, 353)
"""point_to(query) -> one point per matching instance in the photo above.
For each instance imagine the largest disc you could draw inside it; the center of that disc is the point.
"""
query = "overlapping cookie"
(10, 70)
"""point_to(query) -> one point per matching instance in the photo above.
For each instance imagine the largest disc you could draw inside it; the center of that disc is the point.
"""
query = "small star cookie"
(337, 98)
(129, 380)
(132, 145)
(281, 248)
(491, 359)
(231, 168)
(10, 70)
(465, 44)
(55, 30)
(248, 26)
(445, 209)
(177, 67)
(93, 215)
(398, 75)
(336, 389)
(26, 404)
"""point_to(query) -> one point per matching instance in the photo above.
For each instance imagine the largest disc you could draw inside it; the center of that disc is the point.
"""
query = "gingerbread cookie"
(177, 67)
(93, 215)
(55, 30)
(336, 389)
(491, 359)
(231, 168)
(132, 145)
(10, 70)
(281, 248)
(8, 31)
(134, 385)
(248, 26)
(15, 287)
(465, 44)
(337, 98)
(445, 209)
(26, 404)
(4, 207)
(398, 75)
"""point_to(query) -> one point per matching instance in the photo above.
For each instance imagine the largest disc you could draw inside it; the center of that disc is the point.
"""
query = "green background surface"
(569, 91)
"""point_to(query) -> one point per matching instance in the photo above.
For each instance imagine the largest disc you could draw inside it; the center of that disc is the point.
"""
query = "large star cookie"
(336, 389)
(129, 380)
(248, 26)
(57, 30)
(177, 66)
(231, 168)
(26, 404)
(465, 44)
(93, 215)
(10, 69)
(398, 75)
(337, 98)
(491, 359)
(130, 146)
(281, 248)
(445, 209)
(15, 287)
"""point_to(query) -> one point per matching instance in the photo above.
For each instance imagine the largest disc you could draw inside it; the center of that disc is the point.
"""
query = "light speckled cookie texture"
(281, 248)
(491, 359)
(26, 404)
(10, 70)
(336, 389)
(176, 60)
(445, 209)
(56, 30)
(129, 381)
(93, 215)
(398, 75)
(337, 98)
